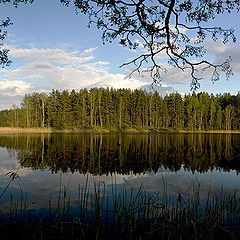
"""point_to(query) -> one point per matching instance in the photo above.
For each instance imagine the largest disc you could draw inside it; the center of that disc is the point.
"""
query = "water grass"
(125, 214)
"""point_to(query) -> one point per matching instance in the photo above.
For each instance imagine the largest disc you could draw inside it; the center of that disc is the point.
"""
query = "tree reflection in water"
(100, 154)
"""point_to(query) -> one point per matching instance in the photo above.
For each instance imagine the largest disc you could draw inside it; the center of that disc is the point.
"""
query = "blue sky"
(52, 48)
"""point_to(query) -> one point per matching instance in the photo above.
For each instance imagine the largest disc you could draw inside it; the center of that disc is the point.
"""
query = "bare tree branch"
(162, 26)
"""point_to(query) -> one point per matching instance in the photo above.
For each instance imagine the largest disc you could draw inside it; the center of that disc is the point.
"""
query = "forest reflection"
(123, 154)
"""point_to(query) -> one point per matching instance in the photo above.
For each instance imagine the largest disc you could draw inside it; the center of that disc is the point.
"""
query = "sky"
(51, 47)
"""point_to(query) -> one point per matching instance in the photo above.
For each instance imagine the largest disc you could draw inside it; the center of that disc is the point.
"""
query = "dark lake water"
(50, 164)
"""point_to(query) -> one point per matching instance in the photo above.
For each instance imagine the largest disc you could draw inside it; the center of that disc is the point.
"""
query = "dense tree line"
(124, 108)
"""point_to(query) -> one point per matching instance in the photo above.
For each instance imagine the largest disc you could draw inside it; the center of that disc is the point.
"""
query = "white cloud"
(14, 87)
(7, 101)
(222, 51)
(56, 55)
(173, 75)
(217, 53)
(88, 51)
(162, 89)
(47, 69)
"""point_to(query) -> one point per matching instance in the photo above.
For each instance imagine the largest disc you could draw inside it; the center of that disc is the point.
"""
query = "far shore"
(9, 130)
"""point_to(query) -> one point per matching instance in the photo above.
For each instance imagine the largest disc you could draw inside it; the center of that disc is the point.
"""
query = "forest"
(124, 108)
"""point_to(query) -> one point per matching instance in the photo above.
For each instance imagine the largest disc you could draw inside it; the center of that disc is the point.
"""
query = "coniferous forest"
(124, 108)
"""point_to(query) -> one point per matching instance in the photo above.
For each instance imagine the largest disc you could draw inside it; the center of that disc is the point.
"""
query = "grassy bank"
(8, 130)
(5, 130)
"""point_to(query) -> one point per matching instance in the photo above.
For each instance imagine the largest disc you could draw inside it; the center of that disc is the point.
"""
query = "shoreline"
(9, 130)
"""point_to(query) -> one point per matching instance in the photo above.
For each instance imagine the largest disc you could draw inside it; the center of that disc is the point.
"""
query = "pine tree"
(212, 113)
(219, 118)
(228, 114)
(124, 108)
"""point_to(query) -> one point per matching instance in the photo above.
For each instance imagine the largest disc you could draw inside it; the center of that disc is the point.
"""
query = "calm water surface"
(173, 163)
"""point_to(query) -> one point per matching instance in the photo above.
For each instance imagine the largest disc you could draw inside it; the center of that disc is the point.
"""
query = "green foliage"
(124, 108)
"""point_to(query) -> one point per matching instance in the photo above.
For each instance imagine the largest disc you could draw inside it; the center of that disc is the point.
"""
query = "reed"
(126, 214)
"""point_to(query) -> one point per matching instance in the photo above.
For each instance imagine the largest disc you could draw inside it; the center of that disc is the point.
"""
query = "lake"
(50, 164)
